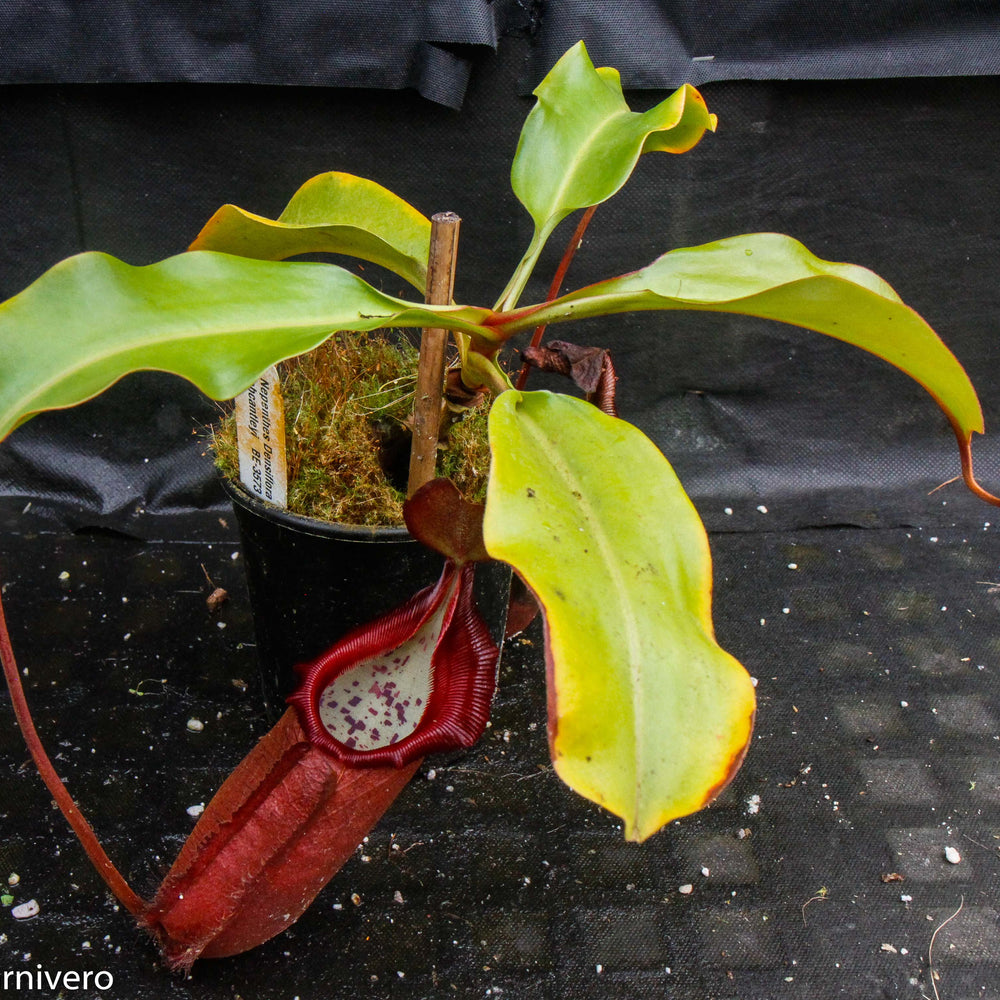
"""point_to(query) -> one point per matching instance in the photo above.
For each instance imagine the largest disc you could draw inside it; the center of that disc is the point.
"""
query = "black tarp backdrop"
(896, 174)
(878, 700)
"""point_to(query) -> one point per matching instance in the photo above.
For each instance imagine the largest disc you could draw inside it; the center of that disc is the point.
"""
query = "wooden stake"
(433, 344)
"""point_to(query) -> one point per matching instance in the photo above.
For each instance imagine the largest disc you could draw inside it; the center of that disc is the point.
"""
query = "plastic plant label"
(260, 435)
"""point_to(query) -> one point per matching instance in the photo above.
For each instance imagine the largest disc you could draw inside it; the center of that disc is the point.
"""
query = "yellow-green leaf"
(331, 213)
(776, 277)
(648, 715)
(212, 318)
(581, 142)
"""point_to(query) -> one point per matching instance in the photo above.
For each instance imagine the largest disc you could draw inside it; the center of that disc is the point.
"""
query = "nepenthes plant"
(648, 715)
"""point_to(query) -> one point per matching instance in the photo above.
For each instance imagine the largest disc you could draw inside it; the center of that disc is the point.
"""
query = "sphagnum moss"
(347, 407)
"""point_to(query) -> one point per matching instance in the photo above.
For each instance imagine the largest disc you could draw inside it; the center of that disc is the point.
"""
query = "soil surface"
(867, 812)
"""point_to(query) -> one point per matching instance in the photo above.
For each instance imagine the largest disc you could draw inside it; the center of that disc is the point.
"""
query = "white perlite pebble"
(685, 890)
(195, 811)
(26, 910)
(952, 856)
(195, 725)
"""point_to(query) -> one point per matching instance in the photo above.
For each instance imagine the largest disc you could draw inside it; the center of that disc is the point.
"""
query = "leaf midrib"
(612, 564)
(570, 174)
(103, 359)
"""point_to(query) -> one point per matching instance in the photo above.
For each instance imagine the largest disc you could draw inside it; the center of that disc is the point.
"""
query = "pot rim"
(239, 494)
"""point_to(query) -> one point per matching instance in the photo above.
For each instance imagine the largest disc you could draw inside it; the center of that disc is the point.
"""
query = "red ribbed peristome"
(463, 673)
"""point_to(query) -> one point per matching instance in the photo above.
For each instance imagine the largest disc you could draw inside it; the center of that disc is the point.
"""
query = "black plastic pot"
(311, 581)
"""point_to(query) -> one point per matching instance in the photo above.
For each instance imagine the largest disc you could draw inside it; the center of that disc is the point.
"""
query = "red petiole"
(557, 279)
(88, 839)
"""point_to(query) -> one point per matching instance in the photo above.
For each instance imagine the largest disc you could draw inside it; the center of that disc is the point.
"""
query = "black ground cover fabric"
(820, 873)
(664, 43)
(430, 46)
(426, 46)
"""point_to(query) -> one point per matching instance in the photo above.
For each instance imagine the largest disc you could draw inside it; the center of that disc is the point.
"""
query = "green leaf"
(776, 277)
(648, 715)
(581, 142)
(214, 319)
(331, 213)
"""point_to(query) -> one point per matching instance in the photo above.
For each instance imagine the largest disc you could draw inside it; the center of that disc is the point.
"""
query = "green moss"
(347, 409)
(465, 458)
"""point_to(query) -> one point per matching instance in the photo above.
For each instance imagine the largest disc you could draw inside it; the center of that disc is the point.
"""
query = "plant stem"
(568, 254)
(965, 454)
(433, 344)
(83, 830)
(522, 273)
